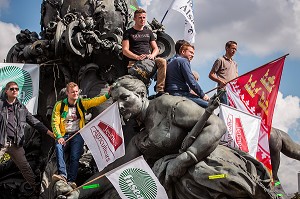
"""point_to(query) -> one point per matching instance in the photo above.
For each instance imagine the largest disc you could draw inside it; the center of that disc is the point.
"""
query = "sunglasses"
(12, 89)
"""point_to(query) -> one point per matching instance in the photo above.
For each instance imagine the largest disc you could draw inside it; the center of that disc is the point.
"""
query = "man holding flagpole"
(67, 120)
(225, 69)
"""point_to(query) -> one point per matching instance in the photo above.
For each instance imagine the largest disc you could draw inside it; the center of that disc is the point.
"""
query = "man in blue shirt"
(180, 79)
(178, 44)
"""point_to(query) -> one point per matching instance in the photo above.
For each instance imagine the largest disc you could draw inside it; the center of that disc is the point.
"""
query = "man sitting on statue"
(180, 80)
(140, 49)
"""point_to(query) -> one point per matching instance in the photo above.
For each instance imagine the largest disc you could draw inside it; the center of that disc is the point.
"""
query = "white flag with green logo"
(135, 179)
(27, 77)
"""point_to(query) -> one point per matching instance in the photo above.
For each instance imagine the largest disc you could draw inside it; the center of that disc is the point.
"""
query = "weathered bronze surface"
(80, 41)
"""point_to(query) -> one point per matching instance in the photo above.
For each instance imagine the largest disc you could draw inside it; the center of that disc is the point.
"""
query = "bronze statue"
(80, 41)
(165, 123)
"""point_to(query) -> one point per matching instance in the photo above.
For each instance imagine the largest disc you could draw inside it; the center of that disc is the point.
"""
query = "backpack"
(143, 70)
(80, 106)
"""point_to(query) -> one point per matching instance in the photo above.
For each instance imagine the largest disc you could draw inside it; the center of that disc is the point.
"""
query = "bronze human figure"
(177, 137)
(80, 41)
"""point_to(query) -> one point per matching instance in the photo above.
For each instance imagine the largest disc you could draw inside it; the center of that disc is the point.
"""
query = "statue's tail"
(281, 142)
(289, 147)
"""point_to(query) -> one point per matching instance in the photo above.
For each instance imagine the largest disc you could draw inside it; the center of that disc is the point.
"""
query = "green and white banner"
(27, 77)
(135, 179)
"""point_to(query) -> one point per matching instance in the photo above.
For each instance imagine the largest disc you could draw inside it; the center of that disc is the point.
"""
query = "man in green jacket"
(68, 119)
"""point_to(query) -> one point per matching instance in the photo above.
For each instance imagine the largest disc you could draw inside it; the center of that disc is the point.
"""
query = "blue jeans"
(75, 147)
(224, 98)
(194, 98)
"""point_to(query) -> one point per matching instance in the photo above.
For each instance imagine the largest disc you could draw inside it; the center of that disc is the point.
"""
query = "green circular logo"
(23, 79)
(137, 183)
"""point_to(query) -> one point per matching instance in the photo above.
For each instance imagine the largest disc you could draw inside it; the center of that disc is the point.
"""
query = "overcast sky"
(264, 30)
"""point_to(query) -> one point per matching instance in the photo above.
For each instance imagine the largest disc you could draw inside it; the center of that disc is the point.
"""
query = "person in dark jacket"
(13, 118)
(180, 80)
(178, 44)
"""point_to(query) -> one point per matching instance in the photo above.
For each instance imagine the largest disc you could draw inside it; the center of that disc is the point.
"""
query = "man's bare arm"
(155, 50)
(213, 76)
(126, 51)
(129, 54)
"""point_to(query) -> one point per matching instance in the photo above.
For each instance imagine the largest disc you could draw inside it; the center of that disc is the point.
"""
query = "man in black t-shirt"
(139, 44)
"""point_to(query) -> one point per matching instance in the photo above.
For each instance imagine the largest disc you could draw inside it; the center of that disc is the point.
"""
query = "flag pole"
(107, 173)
(249, 72)
(212, 90)
(72, 136)
(101, 176)
(167, 12)
(164, 16)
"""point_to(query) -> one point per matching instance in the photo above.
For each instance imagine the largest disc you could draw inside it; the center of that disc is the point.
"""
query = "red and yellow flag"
(256, 92)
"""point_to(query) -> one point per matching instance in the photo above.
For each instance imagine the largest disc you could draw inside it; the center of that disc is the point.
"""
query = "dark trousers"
(194, 98)
(17, 154)
(224, 98)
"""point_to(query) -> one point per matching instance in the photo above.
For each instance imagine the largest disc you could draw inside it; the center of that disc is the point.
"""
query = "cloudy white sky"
(264, 30)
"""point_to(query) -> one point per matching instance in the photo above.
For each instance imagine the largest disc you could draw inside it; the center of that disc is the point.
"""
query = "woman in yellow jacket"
(67, 119)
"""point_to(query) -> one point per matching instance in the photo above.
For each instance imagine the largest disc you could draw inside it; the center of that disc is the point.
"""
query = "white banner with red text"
(104, 137)
(242, 129)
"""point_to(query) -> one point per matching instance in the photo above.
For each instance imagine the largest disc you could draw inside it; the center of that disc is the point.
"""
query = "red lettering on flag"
(111, 134)
(240, 135)
(230, 130)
